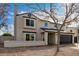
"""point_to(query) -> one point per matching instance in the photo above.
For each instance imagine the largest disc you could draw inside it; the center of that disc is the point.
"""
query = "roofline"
(73, 27)
(22, 14)
(49, 29)
(35, 17)
(67, 32)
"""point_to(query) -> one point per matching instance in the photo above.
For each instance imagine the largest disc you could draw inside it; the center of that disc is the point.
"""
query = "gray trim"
(30, 28)
(28, 17)
(49, 29)
(28, 32)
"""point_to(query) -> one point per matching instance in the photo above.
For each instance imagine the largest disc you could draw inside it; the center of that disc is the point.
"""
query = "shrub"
(6, 34)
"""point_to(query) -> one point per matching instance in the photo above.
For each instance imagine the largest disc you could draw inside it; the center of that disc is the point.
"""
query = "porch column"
(78, 39)
(46, 37)
(56, 37)
(72, 39)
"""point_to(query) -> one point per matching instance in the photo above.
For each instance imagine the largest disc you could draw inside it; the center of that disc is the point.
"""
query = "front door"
(50, 38)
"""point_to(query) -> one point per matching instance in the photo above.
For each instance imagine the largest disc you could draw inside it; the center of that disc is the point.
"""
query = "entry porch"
(51, 37)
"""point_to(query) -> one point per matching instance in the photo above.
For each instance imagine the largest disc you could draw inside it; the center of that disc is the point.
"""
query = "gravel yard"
(65, 50)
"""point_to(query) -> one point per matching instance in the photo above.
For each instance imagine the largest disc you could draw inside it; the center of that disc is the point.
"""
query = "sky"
(23, 8)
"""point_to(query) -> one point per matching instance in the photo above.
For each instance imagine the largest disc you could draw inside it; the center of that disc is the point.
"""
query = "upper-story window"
(29, 22)
(70, 30)
(46, 24)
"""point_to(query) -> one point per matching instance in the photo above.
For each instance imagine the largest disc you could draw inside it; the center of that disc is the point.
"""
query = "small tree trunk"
(58, 41)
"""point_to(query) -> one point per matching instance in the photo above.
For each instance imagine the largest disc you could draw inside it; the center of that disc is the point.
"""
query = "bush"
(6, 34)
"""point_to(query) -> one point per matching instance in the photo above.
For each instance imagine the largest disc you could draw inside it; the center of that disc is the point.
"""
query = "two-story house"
(31, 31)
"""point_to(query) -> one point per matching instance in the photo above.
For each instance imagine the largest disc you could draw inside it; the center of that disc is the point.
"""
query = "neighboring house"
(30, 31)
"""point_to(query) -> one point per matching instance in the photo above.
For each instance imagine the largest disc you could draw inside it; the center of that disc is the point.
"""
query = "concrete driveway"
(65, 50)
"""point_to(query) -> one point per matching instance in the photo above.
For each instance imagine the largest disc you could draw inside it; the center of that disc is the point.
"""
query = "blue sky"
(24, 8)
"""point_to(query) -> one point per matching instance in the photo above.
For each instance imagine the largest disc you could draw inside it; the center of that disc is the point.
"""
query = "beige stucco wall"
(21, 26)
(74, 30)
(40, 24)
(23, 43)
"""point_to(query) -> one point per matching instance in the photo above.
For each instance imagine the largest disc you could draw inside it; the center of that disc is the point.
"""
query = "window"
(29, 22)
(70, 30)
(30, 36)
(32, 23)
(27, 37)
(46, 24)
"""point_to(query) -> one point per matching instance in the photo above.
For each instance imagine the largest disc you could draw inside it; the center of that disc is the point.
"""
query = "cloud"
(1, 32)
(10, 29)
(73, 24)
(22, 12)
(44, 16)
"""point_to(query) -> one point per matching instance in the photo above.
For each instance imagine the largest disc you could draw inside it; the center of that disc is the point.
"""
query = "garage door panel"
(64, 39)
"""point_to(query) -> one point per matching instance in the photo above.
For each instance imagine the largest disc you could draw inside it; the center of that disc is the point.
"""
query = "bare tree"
(69, 10)
(3, 14)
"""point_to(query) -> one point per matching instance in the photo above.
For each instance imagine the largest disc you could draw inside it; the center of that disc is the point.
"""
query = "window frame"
(30, 36)
(30, 24)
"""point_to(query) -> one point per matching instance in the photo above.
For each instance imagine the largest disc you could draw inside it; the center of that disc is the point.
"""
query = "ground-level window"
(30, 36)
